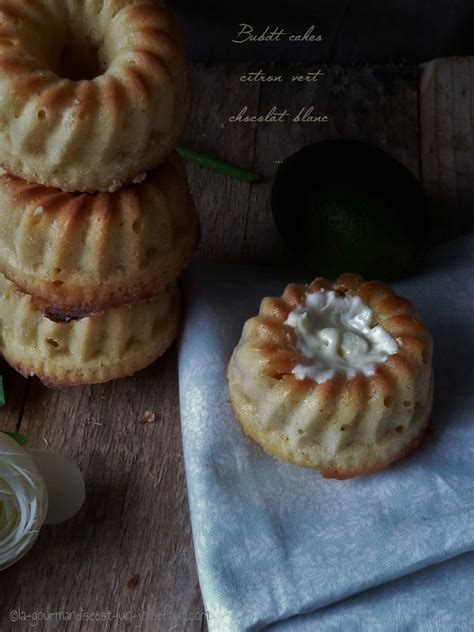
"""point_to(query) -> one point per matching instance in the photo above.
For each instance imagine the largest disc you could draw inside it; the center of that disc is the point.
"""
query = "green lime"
(345, 206)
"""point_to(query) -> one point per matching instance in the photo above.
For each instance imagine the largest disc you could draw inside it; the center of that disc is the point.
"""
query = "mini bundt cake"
(103, 250)
(336, 377)
(80, 348)
(92, 93)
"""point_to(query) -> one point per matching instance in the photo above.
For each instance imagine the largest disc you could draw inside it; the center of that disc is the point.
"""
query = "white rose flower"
(36, 488)
(23, 501)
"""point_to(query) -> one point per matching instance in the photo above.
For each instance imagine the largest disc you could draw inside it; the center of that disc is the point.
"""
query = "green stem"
(19, 438)
(217, 165)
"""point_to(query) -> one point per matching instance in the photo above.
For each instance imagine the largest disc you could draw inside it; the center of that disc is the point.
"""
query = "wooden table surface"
(129, 550)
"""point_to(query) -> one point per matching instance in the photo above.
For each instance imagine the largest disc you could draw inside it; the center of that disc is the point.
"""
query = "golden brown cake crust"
(94, 251)
(92, 93)
(111, 344)
(344, 426)
(339, 474)
(381, 465)
(114, 371)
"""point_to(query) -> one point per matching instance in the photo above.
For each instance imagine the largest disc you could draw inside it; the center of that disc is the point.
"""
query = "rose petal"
(65, 484)
(23, 501)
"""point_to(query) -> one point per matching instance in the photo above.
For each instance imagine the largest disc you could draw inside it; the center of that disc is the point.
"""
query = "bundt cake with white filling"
(336, 377)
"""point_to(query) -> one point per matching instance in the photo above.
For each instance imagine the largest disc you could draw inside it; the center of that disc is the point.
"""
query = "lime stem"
(217, 165)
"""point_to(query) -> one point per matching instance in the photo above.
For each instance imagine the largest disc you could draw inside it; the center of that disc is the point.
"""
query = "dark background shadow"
(357, 31)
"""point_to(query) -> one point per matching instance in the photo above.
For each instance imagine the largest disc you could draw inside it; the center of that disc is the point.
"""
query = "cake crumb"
(38, 210)
(133, 582)
(149, 417)
(139, 178)
(115, 186)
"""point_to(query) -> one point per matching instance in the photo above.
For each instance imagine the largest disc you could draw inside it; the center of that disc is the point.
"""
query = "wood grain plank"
(447, 143)
(135, 521)
(378, 105)
(16, 390)
(221, 201)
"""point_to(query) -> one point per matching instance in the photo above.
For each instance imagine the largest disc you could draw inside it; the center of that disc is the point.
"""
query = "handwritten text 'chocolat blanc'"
(247, 34)
(305, 115)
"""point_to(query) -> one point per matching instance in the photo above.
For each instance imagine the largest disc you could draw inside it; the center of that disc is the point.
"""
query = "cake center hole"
(82, 58)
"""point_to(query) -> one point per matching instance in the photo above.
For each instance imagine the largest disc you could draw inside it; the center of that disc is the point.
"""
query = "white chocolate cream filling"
(336, 335)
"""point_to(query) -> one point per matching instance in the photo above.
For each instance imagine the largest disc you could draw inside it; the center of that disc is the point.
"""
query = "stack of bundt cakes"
(96, 217)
